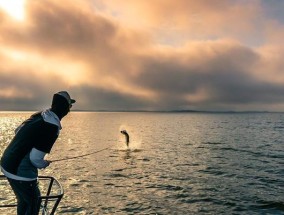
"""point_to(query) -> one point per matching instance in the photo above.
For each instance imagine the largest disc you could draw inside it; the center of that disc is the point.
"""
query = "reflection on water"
(175, 164)
(127, 154)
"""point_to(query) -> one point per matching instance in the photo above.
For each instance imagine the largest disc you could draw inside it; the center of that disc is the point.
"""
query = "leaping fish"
(126, 137)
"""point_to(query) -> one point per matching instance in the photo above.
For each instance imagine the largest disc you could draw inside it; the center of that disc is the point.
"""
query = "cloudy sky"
(143, 55)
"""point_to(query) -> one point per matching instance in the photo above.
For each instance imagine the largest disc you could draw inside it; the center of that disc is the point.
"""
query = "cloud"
(95, 50)
(103, 99)
(220, 72)
(23, 87)
(178, 21)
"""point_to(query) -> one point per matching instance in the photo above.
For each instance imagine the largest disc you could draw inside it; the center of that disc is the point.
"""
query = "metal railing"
(51, 190)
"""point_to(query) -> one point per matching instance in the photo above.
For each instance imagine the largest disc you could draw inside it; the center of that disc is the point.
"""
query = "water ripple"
(184, 163)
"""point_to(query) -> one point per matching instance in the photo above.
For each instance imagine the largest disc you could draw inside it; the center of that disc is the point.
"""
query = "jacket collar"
(51, 117)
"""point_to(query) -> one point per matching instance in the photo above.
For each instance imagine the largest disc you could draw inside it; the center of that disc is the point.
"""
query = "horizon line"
(159, 111)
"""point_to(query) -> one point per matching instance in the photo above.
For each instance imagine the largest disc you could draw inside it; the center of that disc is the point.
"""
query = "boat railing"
(51, 195)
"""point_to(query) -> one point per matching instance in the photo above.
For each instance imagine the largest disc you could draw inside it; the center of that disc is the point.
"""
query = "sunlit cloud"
(14, 8)
(176, 22)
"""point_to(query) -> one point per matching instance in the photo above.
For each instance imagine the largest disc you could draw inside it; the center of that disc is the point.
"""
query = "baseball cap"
(66, 95)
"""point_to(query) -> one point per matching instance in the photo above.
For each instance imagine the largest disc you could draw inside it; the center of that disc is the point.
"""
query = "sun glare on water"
(15, 8)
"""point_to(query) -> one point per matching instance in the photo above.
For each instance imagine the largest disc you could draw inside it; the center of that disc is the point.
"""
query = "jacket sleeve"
(37, 158)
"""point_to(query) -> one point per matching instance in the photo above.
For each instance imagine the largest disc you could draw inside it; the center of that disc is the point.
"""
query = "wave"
(262, 204)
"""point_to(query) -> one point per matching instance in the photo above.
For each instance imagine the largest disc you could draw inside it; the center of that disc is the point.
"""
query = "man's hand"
(47, 163)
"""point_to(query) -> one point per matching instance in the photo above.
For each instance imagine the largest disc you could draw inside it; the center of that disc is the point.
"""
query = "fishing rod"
(80, 156)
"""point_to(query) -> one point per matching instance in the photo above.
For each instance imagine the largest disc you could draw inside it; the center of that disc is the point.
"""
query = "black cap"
(66, 95)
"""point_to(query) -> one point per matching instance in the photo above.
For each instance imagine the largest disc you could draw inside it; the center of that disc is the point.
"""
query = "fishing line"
(80, 156)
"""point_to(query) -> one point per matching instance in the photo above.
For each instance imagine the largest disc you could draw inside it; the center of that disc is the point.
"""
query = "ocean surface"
(177, 163)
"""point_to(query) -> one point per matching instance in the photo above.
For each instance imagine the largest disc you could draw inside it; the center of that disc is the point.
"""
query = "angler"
(25, 154)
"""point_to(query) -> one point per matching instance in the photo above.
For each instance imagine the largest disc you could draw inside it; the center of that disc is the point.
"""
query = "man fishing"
(25, 154)
(126, 137)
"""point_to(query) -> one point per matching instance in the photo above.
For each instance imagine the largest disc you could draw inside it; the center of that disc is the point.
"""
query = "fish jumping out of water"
(126, 137)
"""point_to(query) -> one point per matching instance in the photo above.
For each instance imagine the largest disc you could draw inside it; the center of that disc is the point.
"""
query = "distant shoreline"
(176, 111)
(146, 111)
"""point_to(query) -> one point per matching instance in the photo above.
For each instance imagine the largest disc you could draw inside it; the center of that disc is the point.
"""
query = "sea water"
(177, 163)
